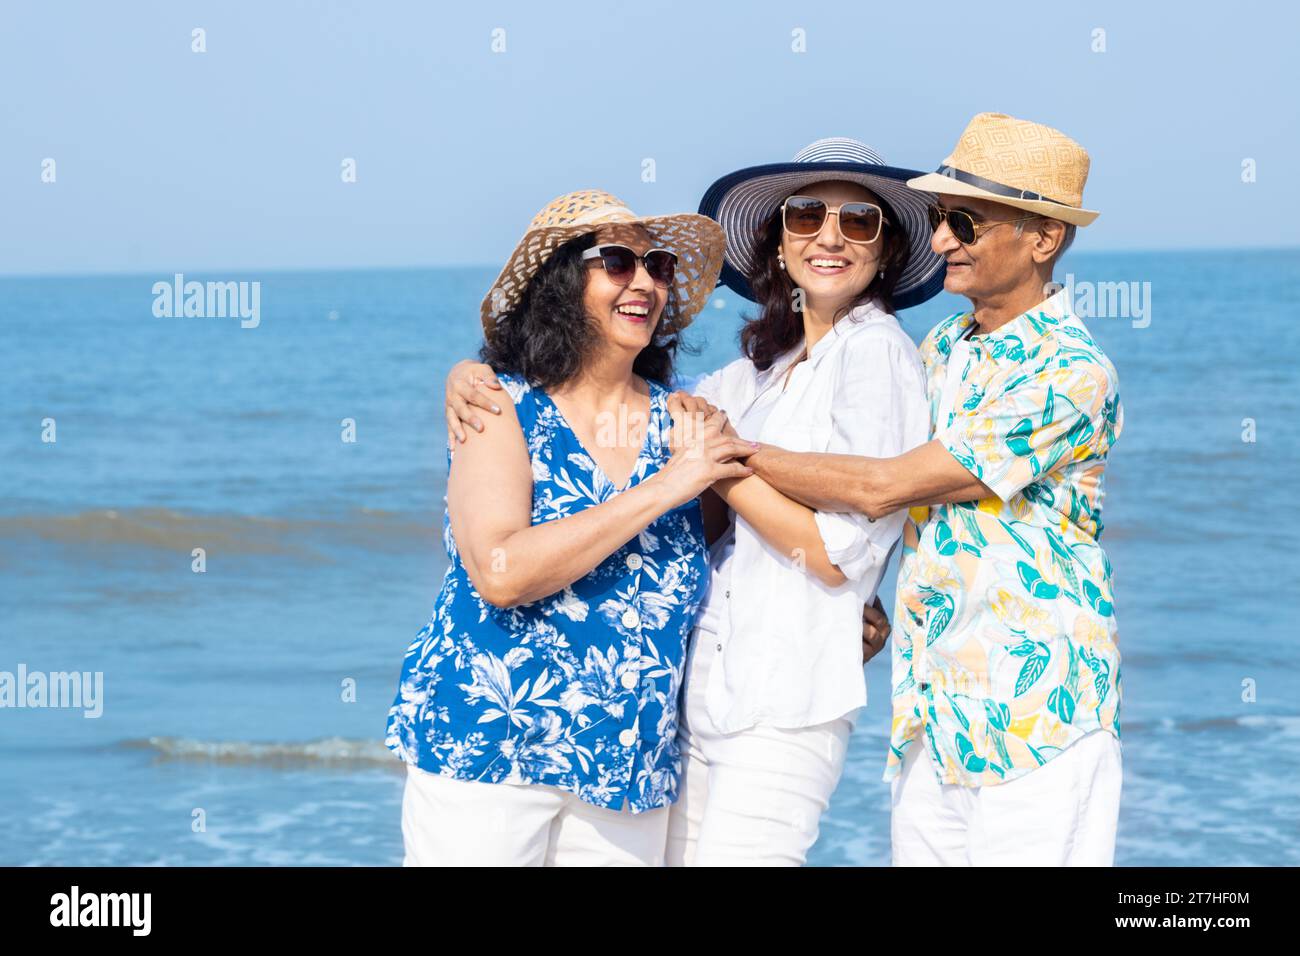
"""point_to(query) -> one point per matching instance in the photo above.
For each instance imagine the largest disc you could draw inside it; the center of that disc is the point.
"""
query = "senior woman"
(537, 709)
(828, 246)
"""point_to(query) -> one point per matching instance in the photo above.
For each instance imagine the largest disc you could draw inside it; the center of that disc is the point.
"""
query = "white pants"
(752, 798)
(450, 822)
(1063, 813)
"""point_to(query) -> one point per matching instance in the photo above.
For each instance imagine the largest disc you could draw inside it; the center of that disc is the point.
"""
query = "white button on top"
(629, 679)
(631, 618)
(627, 738)
(634, 562)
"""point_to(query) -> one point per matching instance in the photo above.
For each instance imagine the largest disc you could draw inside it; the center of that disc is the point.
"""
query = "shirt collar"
(856, 317)
(1026, 329)
(779, 366)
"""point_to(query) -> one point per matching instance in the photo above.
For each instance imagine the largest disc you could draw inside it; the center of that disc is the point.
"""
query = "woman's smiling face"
(829, 269)
(626, 315)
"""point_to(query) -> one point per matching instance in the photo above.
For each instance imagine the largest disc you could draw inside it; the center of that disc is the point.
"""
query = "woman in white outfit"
(828, 246)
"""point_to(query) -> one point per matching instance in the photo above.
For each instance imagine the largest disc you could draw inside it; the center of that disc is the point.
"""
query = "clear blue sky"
(171, 160)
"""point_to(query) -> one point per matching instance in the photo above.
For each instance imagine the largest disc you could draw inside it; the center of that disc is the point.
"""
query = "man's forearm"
(875, 487)
(822, 482)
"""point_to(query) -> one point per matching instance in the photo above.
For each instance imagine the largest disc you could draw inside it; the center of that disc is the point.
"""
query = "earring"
(780, 260)
(880, 273)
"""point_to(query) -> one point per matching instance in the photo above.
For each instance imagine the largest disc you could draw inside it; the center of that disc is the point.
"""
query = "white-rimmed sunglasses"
(804, 216)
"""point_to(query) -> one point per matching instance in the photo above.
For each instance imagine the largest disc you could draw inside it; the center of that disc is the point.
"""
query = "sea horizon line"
(142, 272)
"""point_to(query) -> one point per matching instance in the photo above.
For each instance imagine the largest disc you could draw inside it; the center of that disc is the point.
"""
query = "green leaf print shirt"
(1007, 643)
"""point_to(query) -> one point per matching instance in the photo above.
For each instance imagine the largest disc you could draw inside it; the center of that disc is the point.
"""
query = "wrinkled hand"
(702, 456)
(689, 413)
(466, 389)
(875, 630)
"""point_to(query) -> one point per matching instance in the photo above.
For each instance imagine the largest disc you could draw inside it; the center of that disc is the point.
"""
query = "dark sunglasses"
(620, 263)
(859, 221)
(964, 228)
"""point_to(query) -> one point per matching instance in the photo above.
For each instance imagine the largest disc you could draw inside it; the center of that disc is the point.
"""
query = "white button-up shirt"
(791, 647)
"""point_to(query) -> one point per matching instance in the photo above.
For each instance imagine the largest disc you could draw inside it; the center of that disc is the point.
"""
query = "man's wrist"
(761, 457)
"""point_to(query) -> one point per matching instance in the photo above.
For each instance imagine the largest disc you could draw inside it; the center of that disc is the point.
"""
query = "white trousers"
(1063, 813)
(751, 798)
(450, 822)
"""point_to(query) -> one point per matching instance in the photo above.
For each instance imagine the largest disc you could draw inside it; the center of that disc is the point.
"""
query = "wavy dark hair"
(778, 327)
(549, 337)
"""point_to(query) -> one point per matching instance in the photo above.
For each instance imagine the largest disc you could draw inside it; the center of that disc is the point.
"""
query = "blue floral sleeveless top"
(578, 690)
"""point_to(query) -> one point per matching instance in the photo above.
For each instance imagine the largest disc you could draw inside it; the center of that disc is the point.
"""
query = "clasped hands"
(693, 417)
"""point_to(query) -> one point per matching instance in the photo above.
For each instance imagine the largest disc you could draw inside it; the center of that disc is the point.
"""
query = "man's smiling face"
(998, 260)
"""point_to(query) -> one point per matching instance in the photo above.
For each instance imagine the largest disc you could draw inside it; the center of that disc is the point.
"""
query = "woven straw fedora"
(743, 200)
(1017, 163)
(697, 240)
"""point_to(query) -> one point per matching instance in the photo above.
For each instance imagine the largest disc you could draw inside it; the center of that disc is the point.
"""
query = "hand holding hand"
(875, 629)
(705, 455)
(689, 413)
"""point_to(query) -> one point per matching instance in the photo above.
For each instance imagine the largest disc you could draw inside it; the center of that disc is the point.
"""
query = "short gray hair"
(1066, 241)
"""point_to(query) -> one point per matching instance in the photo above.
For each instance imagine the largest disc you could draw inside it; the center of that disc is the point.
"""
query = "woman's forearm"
(786, 525)
(544, 558)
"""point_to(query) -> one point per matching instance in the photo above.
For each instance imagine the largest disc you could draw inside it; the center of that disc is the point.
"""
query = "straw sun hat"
(697, 241)
(742, 201)
(1017, 163)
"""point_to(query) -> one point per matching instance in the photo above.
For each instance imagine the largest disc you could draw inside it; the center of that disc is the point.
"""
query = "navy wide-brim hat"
(742, 201)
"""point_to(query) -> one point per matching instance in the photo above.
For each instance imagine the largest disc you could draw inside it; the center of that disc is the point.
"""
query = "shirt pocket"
(806, 436)
(819, 436)
(793, 437)
(817, 432)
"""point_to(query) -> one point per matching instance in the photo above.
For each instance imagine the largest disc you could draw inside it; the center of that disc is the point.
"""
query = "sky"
(166, 159)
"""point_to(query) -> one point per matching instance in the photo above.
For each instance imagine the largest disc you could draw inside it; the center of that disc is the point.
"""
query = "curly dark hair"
(549, 337)
(778, 327)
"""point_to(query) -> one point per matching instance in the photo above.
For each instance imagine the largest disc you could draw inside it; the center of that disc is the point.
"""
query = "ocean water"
(243, 707)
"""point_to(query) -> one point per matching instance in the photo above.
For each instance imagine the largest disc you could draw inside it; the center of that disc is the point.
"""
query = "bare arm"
(872, 486)
(1043, 421)
(786, 525)
(512, 561)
